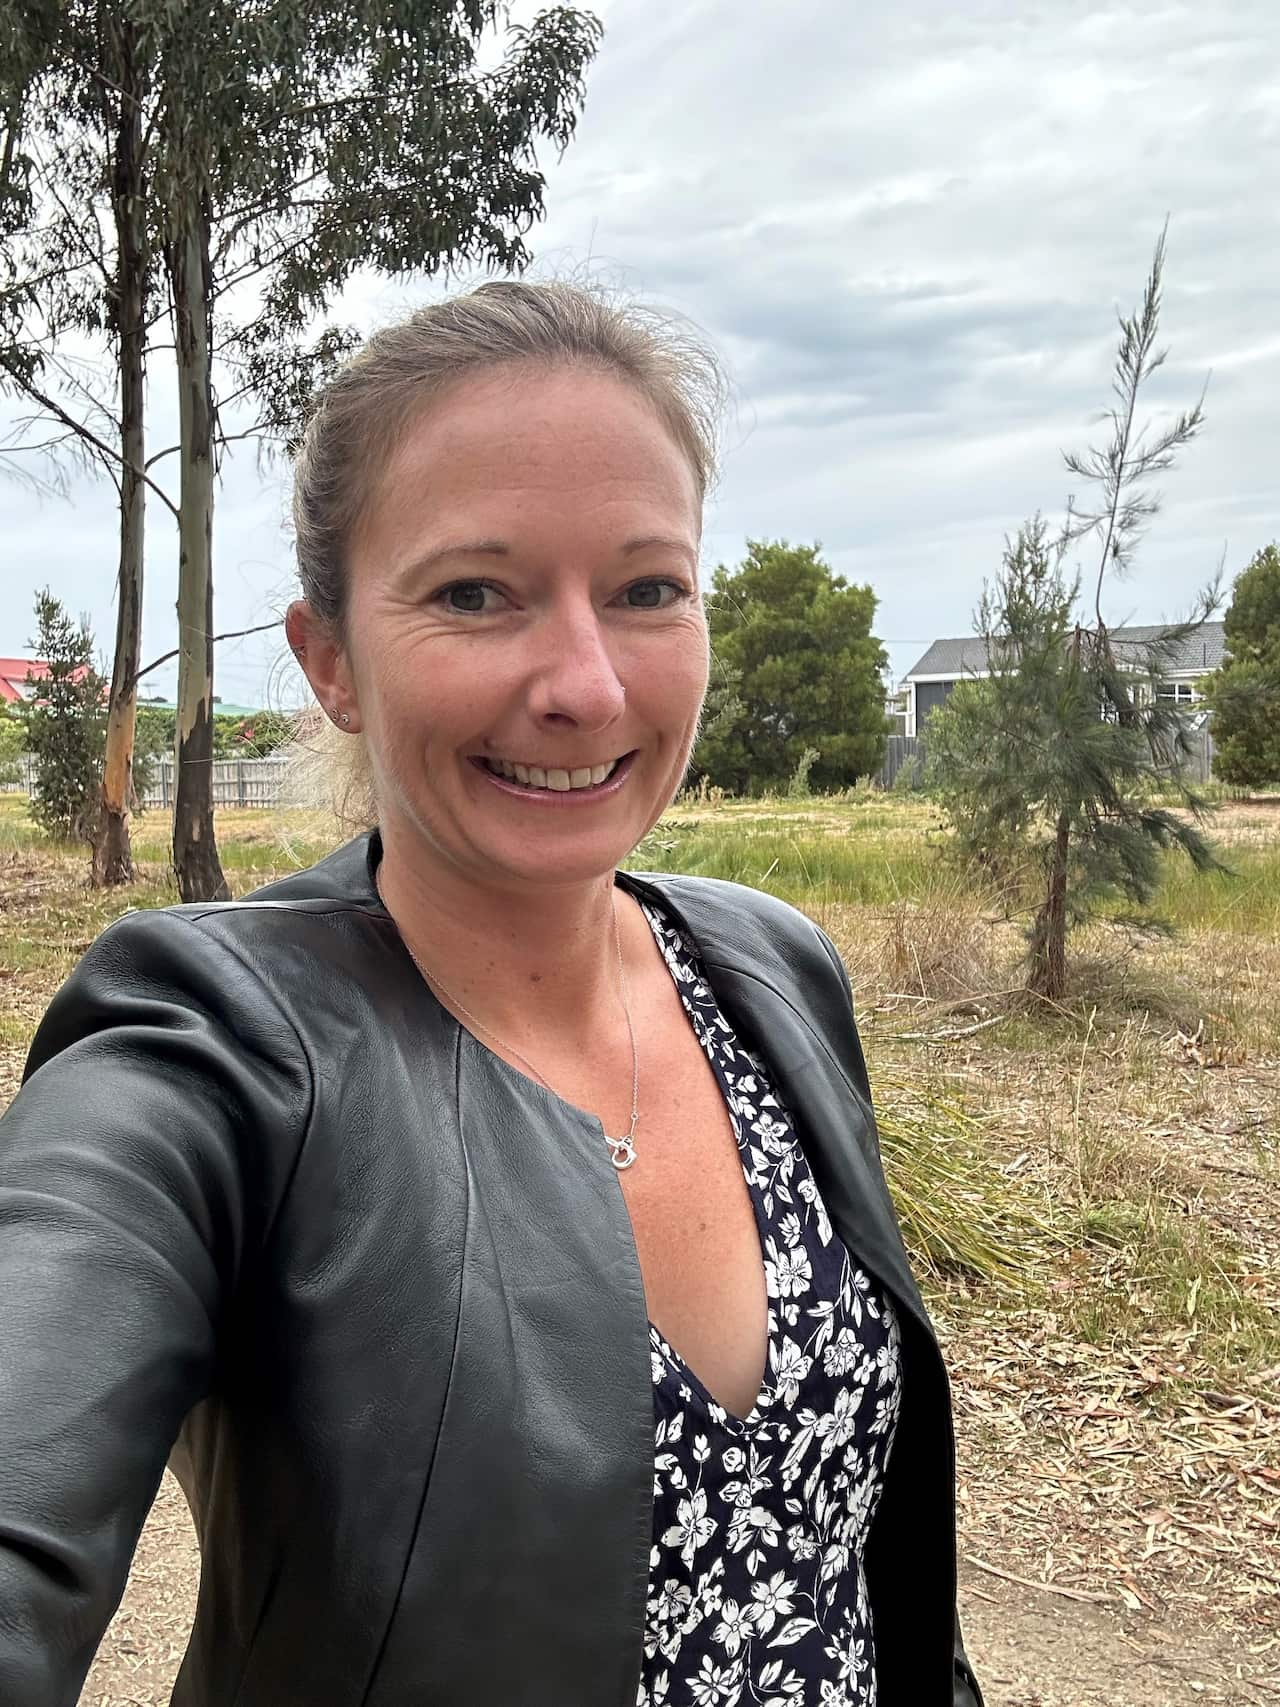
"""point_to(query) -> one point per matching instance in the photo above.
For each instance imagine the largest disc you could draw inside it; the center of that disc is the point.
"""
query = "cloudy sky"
(907, 229)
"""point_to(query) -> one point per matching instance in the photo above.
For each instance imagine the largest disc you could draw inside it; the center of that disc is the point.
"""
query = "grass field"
(1116, 1374)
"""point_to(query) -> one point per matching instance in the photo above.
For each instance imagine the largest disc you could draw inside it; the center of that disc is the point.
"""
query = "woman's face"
(525, 636)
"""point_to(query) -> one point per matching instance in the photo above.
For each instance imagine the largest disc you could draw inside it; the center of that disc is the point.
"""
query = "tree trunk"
(1048, 975)
(112, 854)
(195, 853)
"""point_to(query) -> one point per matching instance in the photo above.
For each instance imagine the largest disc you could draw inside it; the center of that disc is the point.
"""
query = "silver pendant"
(622, 1152)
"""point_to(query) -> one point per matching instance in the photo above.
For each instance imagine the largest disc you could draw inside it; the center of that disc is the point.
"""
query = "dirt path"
(1033, 1649)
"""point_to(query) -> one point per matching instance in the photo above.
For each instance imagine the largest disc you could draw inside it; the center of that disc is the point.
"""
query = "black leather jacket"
(266, 1207)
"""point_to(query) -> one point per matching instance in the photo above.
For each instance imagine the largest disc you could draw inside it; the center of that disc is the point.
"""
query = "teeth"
(534, 776)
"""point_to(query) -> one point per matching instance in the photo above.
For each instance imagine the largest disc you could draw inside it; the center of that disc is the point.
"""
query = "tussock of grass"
(1167, 1270)
(960, 1214)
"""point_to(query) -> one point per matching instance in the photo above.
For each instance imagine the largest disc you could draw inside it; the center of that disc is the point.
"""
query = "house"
(947, 662)
(13, 678)
(14, 687)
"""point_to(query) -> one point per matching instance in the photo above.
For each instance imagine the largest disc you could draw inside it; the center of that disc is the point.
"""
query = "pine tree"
(1050, 766)
(795, 670)
(65, 724)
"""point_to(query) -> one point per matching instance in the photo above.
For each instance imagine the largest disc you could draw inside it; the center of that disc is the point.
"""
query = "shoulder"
(238, 964)
(753, 931)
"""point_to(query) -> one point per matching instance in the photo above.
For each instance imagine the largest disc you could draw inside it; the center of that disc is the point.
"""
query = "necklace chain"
(622, 1151)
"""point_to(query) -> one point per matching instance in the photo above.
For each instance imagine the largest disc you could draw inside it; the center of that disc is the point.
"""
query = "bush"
(13, 744)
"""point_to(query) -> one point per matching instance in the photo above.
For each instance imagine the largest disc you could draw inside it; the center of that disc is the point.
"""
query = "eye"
(467, 598)
(656, 594)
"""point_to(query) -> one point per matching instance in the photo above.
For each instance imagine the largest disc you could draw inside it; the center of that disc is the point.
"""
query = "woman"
(495, 1244)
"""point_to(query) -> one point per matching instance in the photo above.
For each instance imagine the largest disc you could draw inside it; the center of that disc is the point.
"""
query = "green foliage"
(254, 737)
(1048, 766)
(798, 788)
(998, 748)
(1245, 692)
(1252, 622)
(795, 669)
(13, 744)
(234, 737)
(66, 724)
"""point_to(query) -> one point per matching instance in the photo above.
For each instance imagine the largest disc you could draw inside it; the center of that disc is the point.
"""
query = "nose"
(576, 683)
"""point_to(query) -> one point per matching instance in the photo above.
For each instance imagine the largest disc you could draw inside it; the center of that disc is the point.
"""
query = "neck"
(525, 964)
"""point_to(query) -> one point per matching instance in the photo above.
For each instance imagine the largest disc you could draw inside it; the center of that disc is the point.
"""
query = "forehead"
(527, 448)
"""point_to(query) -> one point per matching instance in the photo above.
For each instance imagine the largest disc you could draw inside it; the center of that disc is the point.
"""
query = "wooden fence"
(903, 753)
(236, 782)
(906, 753)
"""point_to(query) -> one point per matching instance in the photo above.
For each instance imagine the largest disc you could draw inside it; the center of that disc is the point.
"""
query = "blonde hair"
(357, 419)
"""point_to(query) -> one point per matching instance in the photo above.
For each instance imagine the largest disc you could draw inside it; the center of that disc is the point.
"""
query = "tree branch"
(103, 449)
(238, 634)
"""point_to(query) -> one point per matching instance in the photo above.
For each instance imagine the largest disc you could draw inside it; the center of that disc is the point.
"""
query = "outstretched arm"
(161, 1095)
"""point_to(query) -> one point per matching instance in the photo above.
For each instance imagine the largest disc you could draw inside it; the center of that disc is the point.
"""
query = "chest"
(695, 1226)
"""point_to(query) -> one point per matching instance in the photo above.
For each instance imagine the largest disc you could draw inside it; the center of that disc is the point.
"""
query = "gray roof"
(1201, 651)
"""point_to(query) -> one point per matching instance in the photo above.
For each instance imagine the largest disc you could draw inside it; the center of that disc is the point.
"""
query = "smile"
(539, 779)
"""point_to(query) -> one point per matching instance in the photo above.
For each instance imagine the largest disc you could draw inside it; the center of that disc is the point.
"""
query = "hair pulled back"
(356, 421)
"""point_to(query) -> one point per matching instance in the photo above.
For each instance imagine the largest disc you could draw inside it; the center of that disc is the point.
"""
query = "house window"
(1179, 693)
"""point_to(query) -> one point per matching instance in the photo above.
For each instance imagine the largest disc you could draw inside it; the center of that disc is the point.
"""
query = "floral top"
(757, 1593)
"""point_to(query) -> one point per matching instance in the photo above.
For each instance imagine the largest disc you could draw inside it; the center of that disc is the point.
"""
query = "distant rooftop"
(1199, 652)
(13, 677)
(219, 708)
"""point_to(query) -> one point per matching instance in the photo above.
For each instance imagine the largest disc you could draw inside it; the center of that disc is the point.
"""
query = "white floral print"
(757, 1593)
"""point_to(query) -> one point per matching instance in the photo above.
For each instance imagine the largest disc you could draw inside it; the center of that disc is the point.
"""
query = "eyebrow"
(464, 548)
(500, 548)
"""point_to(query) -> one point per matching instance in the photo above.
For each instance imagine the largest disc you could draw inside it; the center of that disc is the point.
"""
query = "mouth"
(543, 779)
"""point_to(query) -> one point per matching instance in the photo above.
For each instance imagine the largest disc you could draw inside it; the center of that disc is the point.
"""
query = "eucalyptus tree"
(299, 142)
(86, 269)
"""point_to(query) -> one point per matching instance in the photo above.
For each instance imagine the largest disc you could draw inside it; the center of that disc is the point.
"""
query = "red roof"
(13, 677)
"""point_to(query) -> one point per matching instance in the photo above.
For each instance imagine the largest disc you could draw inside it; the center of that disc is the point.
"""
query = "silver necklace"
(622, 1151)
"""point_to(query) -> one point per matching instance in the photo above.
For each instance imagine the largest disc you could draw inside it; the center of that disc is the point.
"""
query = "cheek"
(673, 688)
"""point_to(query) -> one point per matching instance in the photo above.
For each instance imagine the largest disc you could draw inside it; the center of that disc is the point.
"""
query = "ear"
(315, 646)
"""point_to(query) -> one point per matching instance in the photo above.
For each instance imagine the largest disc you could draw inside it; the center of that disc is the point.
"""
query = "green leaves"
(795, 668)
(1245, 692)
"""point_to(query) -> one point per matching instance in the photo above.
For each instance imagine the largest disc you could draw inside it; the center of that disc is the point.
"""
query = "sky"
(907, 230)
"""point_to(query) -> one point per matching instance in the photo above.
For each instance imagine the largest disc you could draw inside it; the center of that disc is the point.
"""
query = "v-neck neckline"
(735, 1424)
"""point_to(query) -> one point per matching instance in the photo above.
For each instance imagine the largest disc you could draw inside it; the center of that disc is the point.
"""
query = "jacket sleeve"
(965, 1692)
(138, 1164)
